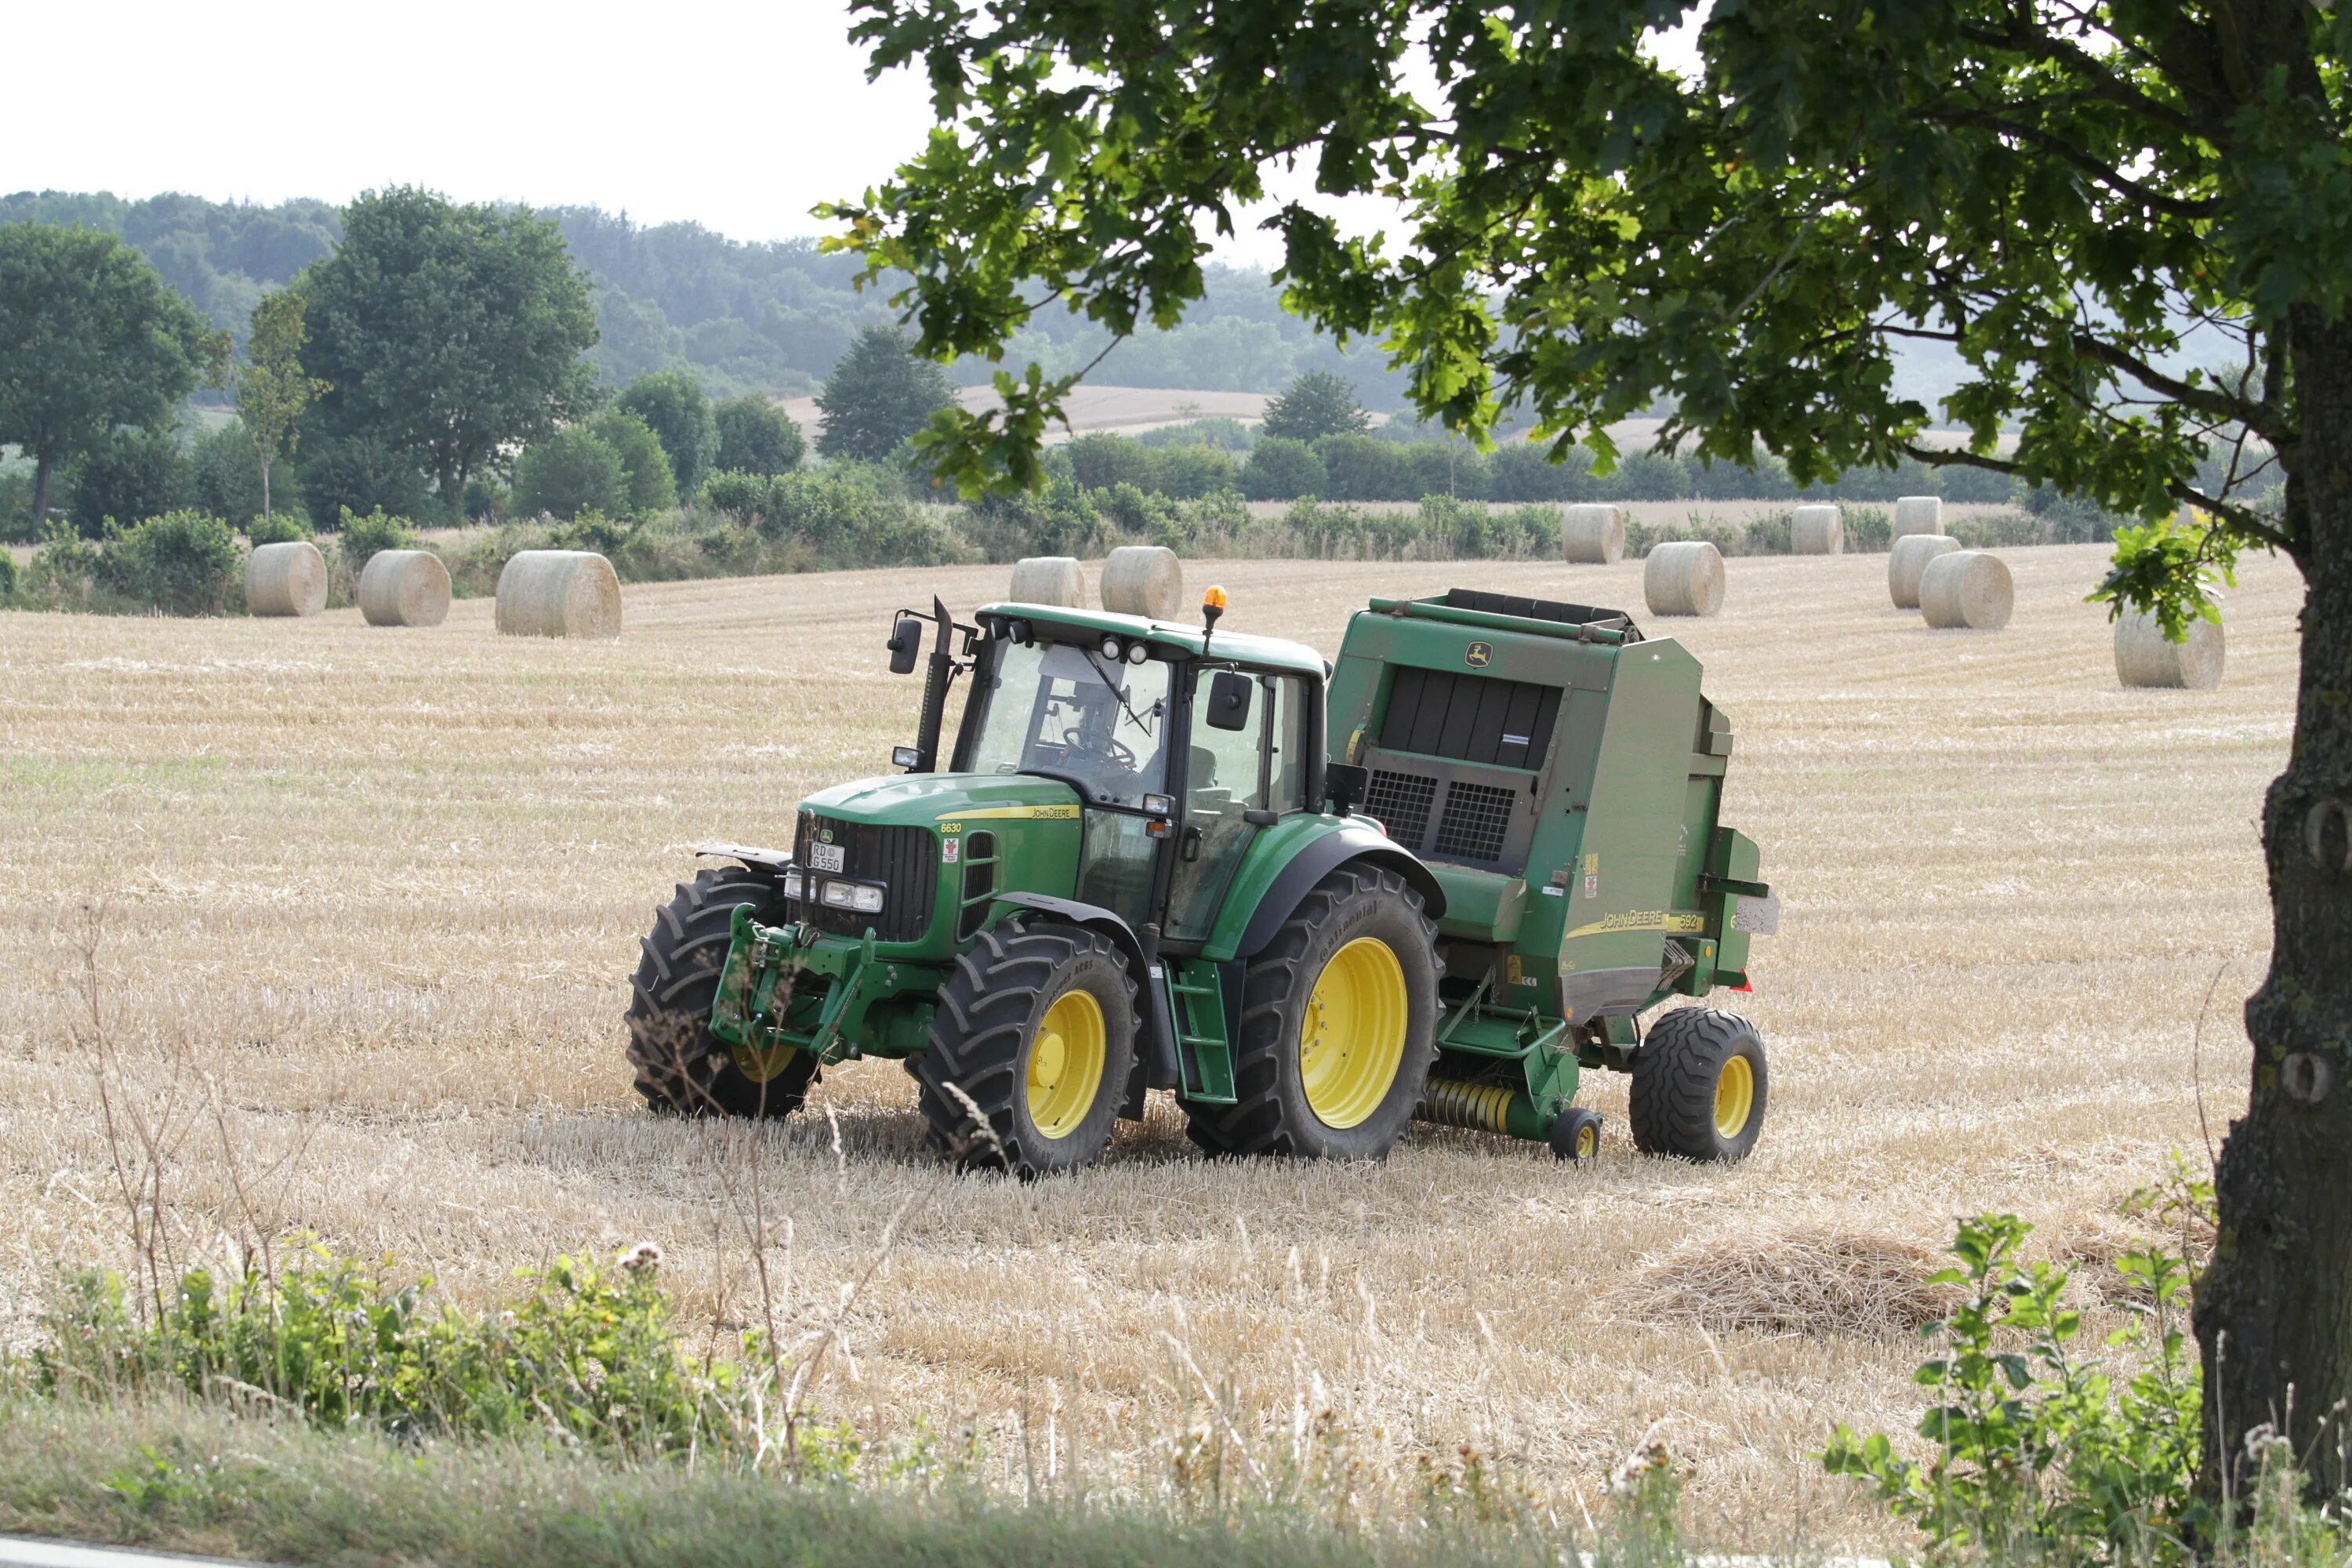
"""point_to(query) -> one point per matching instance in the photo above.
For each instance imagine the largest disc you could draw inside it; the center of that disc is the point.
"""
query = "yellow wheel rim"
(1735, 1097)
(1588, 1142)
(1351, 1041)
(1066, 1063)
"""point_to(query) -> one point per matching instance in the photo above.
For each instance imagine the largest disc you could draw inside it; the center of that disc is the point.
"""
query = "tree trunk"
(41, 469)
(265, 490)
(2274, 1309)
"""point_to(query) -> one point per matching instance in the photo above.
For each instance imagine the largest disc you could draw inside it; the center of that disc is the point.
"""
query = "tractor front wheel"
(1030, 1051)
(680, 1065)
(1339, 1027)
(1699, 1085)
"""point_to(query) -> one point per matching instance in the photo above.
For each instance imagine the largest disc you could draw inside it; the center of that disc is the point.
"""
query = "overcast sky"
(738, 115)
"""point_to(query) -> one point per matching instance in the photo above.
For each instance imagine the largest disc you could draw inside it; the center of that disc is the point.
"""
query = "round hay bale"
(286, 579)
(1593, 534)
(1682, 577)
(1966, 589)
(1908, 559)
(1817, 531)
(559, 593)
(2143, 657)
(1919, 514)
(1049, 580)
(1144, 580)
(404, 588)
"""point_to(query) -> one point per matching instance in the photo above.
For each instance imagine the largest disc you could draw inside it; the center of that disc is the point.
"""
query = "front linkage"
(792, 988)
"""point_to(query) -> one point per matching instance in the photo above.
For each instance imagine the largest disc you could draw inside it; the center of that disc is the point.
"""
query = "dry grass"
(385, 886)
(1812, 1280)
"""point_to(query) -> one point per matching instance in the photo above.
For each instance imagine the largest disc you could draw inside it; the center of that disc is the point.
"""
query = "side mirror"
(1229, 699)
(1347, 784)
(905, 644)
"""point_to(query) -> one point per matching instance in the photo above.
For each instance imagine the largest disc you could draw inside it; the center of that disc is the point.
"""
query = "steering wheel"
(1114, 749)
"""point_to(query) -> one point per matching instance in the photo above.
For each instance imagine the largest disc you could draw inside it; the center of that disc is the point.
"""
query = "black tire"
(1680, 1074)
(985, 1042)
(1576, 1136)
(681, 1066)
(1272, 1114)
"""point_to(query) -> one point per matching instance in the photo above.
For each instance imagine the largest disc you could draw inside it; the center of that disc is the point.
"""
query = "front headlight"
(792, 884)
(863, 897)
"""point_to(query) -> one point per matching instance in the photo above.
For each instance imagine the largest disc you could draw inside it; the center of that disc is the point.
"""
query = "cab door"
(1237, 781)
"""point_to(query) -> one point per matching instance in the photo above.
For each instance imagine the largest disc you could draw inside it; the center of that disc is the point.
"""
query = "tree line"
(434, 363)
(741, 318)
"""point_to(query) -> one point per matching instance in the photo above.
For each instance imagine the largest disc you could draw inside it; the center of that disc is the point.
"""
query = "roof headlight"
(1110, 649)
(1137, 653)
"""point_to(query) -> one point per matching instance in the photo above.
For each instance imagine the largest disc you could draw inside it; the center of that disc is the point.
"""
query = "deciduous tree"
(447, 332)
(878, 394)
(2132, 222)
(1314, 405)
(755, 437)
(273, 390)
(92, 338)
(671, 403)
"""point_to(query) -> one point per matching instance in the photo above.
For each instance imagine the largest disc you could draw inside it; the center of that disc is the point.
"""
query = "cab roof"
(1242, 648)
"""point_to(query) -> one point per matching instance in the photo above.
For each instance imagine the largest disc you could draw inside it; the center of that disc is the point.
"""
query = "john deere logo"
(825, 836)
(1481, 655)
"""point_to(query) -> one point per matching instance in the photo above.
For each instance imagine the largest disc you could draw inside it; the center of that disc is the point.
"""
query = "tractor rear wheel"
(1339, 1027)
(1034, 1033)
(1700, 1086)
(680, 1065)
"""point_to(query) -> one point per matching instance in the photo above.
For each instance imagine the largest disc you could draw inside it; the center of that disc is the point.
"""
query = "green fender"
(1285, 861)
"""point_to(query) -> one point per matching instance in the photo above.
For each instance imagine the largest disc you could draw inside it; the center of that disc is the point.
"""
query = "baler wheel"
(1339, 1027)
(1576, 1136)
(1036, 1026)
(680, 1065)
(1700, 1086)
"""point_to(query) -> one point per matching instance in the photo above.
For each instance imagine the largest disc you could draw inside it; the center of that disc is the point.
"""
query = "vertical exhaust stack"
(935, 676)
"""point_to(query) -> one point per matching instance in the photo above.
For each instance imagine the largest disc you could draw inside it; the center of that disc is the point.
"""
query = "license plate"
(827, 856)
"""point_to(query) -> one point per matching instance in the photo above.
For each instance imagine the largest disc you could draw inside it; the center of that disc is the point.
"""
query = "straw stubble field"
(381, 889)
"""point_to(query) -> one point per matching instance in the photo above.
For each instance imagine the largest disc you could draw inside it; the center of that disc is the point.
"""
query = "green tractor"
(1145, 867)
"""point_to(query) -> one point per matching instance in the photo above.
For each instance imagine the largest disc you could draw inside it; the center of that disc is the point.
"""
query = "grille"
(1399, 802)
(1477, 819)
(905, 860)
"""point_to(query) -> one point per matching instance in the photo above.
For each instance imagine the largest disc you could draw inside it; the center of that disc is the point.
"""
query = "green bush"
(846, 513)
(570, 472)
(133, 474)
(358, 475)
(673, 407)
(182, 562)
(1358, 468)
(646, 465)
(278, 528)
(1100, 460)
(1282, 469)
(755, 437)
(64, 570)
(584, 1357)
(2039, 1452)
(7, 577)
(1057, 520)
(228, 474)
(17, 524)
(363, 537)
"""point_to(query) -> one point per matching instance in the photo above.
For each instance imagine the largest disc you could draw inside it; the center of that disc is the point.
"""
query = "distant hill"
(772, 317)
(767, 318)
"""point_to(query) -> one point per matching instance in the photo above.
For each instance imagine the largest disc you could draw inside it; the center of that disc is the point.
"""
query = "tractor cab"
(1179, 748)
